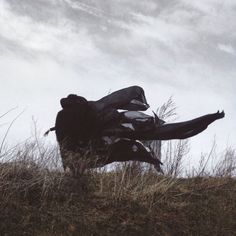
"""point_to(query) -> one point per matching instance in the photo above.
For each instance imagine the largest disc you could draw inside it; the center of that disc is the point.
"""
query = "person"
(97, 128)
(80, 123)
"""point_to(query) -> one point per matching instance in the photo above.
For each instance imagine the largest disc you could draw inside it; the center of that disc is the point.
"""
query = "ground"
(125, 201)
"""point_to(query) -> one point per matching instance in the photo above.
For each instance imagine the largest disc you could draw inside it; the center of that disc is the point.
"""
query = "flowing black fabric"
(122, 99)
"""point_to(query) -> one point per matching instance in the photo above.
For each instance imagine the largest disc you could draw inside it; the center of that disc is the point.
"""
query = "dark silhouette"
(94, 133)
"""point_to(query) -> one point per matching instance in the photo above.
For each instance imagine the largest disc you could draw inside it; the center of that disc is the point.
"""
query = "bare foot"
(220, 115)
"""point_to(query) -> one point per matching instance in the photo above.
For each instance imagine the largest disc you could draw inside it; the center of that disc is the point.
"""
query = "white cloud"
(86, 8)
(162, 29)
(217, 18)
(226, 48)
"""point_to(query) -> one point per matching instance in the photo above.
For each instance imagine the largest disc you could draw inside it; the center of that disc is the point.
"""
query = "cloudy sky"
(180, 48)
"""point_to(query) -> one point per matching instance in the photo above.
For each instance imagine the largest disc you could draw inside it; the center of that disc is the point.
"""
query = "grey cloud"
(40, 10)
(117, 29)
(12, 47)
(106, 19)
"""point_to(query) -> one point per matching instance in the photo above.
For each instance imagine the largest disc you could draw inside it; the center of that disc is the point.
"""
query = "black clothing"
(76, 126)
(81, 126)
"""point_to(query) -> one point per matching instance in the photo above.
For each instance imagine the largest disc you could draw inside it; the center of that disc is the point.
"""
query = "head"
(72, 100)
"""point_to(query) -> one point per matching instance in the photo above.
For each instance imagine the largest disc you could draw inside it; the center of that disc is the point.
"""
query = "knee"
(137, 89)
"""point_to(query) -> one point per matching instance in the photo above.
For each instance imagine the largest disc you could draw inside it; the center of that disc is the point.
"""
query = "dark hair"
(72, 100)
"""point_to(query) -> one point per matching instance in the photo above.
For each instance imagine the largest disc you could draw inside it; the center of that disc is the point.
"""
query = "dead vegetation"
(37, 198)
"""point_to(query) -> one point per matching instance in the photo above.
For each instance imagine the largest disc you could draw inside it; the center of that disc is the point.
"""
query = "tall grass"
(38, 198)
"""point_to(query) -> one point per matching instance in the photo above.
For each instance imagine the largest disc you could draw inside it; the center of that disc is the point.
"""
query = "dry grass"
(37, 198)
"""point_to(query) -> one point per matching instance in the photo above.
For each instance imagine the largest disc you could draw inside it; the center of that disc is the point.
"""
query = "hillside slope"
(36, 201)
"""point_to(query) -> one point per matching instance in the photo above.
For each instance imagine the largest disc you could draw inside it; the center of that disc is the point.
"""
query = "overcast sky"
(180, 48)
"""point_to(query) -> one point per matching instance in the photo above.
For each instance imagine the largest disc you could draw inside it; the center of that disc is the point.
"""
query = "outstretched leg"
(167, 131)
(189, 134)
(188, 128)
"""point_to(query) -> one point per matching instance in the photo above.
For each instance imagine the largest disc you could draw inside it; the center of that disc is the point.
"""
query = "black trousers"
(133, 99)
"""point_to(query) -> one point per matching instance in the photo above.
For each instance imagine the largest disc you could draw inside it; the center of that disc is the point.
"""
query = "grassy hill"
(125, 201)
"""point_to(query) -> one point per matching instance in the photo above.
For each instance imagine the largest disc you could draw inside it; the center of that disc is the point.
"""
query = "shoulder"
(61, 114)
(64, 116)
